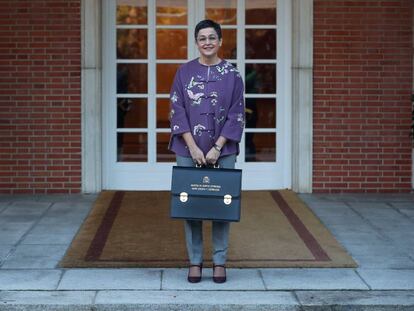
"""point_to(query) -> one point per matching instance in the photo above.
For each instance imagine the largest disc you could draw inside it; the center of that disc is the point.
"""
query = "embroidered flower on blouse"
(198, 129)
(220, 119)
(174, 97)
(240, 119)
(193, 83)
(226, 68)
(171, 114)
(196, 98)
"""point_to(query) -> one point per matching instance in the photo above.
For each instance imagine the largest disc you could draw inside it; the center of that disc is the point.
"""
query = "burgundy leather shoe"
(219, 278)
(197, 278)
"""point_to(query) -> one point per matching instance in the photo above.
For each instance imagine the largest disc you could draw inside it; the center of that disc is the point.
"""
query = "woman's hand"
(212, 156)
(197, 155)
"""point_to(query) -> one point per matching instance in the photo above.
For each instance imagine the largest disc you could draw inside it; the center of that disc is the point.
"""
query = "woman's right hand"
(197, 155)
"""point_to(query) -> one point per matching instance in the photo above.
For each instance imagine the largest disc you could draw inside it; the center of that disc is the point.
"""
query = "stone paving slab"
(62, 234)
(211, 300)
(403, 205)
(3, 206)
(350, 236)
(384, 262)
(4, 251)
(67, 298)
(387, 279)
(316, 279)
(349, 298)
(67, 198)
(62, 212)
(370, 206)
(48, 198)
(407, 212)
(237, 279)
(101, 279)
(26, 208)
(11, 233)
(327, 206)
(200, 300)
(9, 219)
(29, 279)
(35, 257)
(359, 197)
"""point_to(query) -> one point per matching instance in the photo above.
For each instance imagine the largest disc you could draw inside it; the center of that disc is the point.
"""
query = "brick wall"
(362, 86)
(40, 112)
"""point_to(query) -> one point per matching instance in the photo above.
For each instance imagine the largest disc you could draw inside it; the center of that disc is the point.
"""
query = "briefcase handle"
(216, 165)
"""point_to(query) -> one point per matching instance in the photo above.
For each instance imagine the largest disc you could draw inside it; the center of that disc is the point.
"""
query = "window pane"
(163, 111)
(260, 113)
(261, 12)
(223, 12)
(132, 78)
(165, 77)
(132, 113)
(171, 44)
(131, 12)
(265, 38)
(260, 147)
(228, 49)
(132, 147)
(171, 12)
(163, 154)
(131, 43)
(260, 78)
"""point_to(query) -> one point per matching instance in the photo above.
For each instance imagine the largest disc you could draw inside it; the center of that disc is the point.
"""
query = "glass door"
(144, 43)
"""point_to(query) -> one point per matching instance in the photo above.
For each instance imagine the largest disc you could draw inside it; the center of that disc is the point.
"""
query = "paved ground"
(377, 230)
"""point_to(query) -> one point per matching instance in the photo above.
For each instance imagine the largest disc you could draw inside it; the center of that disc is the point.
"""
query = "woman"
(207, 121)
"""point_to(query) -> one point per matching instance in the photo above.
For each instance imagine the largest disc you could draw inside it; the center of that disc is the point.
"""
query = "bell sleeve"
(178, 115)
(234, 124)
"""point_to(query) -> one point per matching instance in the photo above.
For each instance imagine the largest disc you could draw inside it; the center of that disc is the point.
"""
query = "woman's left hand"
(212, 156)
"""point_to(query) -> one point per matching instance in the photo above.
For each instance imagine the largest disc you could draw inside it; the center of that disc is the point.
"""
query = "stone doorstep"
(202, 300)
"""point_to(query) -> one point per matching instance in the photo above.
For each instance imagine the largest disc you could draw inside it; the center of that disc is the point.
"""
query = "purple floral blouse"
(208, 102)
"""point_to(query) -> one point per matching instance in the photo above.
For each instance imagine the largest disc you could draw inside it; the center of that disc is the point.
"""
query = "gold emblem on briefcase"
(227, 199)
(183, 197)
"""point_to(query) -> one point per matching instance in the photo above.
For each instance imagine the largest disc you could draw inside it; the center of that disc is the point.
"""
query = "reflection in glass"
(131, 12)
(132, 147)
(260, 113)
(265, 38)
(131, 43)
(260, 78)
(223, 12)
(261, 12)
(165, 77)
(132, 78)
(171, 44)
(171, 12)
(131, 113)
(163, 154)
(163, 112)
(260, 147)
(228, 49)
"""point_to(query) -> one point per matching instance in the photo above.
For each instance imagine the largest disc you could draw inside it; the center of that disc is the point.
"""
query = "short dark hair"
(207, 23)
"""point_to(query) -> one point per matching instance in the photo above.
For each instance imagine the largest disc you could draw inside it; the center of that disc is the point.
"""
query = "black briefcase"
(203, 193)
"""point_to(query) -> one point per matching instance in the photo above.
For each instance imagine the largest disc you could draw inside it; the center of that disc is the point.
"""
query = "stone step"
(207, 300)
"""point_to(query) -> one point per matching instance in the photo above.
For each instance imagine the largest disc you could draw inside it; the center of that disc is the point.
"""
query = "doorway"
(144, 42)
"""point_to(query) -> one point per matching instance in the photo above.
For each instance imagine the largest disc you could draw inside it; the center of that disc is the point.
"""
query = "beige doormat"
(133, 229)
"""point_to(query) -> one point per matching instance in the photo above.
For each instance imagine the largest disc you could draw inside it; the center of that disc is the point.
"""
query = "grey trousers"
(194, 228)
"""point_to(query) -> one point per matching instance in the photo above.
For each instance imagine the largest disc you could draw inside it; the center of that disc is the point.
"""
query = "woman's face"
(208, 42)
